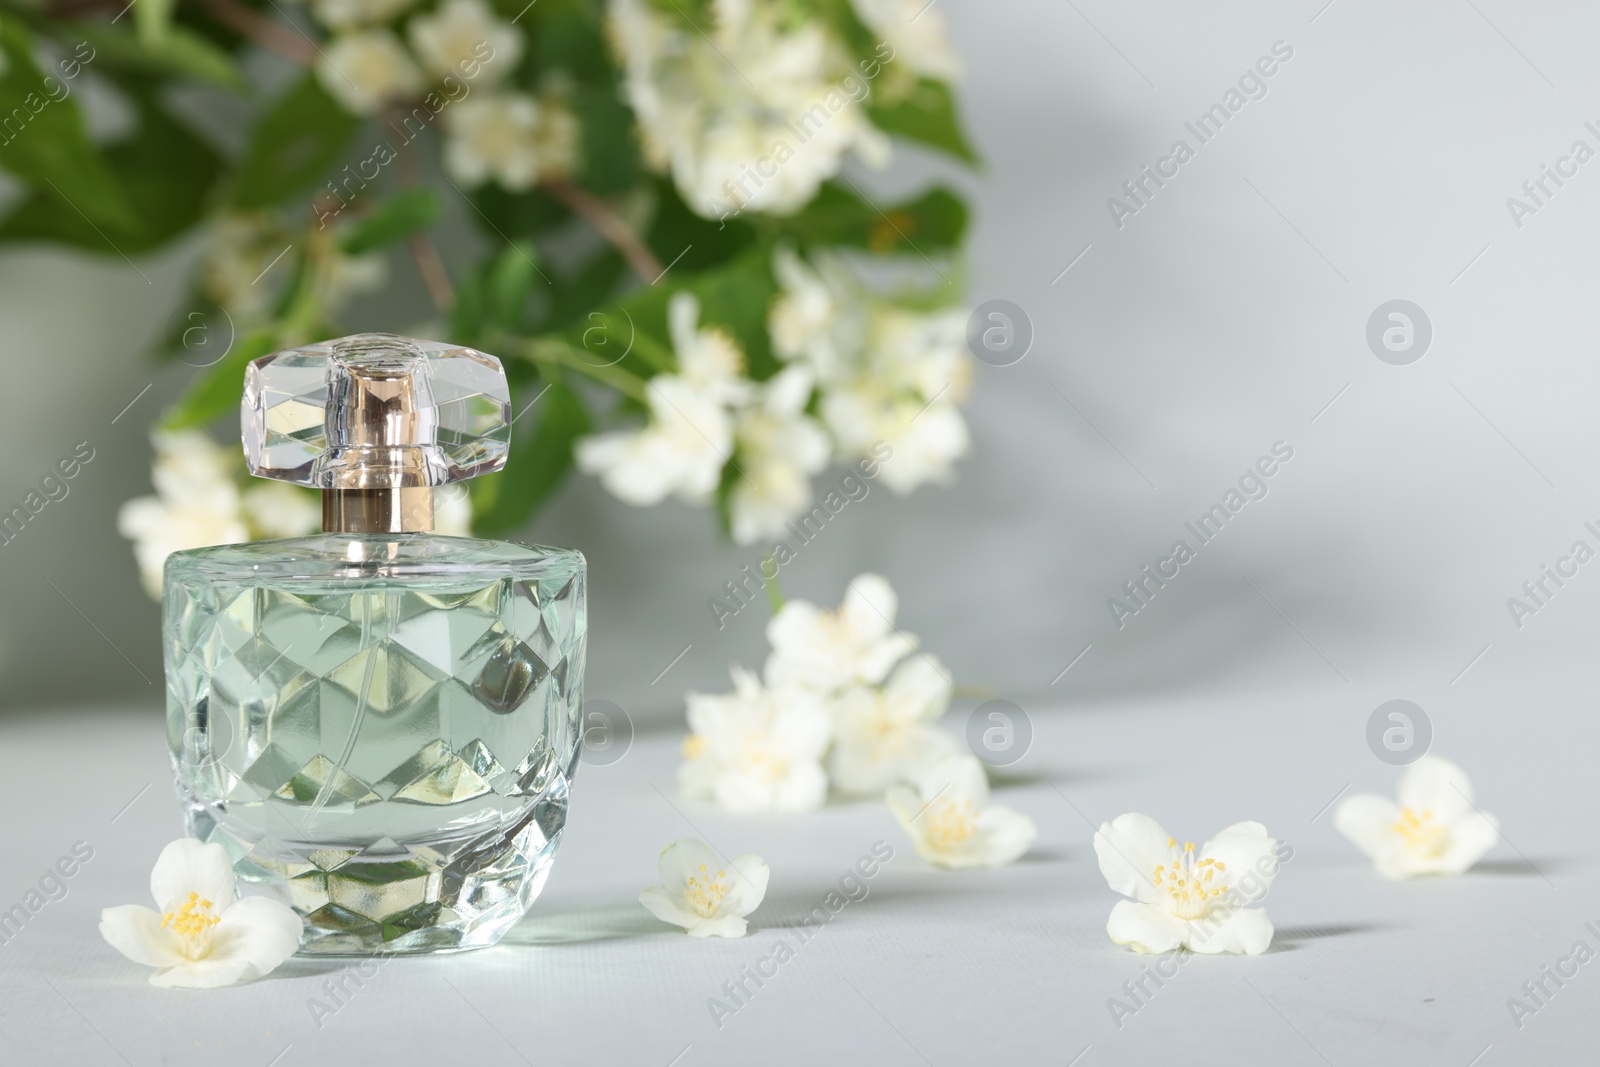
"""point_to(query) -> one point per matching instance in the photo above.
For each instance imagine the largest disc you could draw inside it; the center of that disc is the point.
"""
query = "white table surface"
(1009, 966)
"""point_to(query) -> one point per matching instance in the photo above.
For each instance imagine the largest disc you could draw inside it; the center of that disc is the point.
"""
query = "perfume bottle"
(379, 723)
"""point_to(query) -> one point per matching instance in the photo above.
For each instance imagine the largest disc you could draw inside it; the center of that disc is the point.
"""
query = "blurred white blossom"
(829, 651)
(756, 749)
(916, 30)
(196, 503)
(887, 373)
(754, 113)
(951, 822)
(884, 735)
(779, 448)
(511, 138)
(367, 69)
(462, 35)
(278, 509)
(349, 14)
(1434, 829)
(681, 450)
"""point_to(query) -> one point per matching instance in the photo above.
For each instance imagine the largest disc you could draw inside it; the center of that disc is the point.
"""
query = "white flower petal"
(684, 859)
(1249, 855)
(1003, 836)
(205, 973)
(137, 933)
(747, 885)
(188, 866)
(669, 907)
(1129, 848)
(870, 605)
(958, 780)
(1243, 930)
(260, 931)
(1435, 784)
(1144, 927)
(720, 926)
(1368, 820)
(1470, 838)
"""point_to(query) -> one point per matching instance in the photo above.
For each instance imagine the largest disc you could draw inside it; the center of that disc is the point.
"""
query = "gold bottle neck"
(374, 510)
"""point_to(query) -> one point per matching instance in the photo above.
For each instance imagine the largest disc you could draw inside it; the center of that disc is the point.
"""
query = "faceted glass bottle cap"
(375, 411)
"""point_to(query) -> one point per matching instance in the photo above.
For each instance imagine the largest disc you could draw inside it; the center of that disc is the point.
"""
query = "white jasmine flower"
(1187, 899)
(884, 735)
(702, 894)
(367, 69)
(462, 34)
(827, 651)
(889, 375)
(756, 749)
(1435, 829)
(951, 821)
(196, 504)
(278, 509)
(452, 511)
(917, 33)
(756, 113)
(689, 437)
(779, 448)
(819, 316)
(239, 249)
(348, 14)
(925, 439)
(202, 937)
(511, 138)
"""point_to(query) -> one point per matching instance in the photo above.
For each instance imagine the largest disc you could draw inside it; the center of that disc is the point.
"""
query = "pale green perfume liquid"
(380, 728)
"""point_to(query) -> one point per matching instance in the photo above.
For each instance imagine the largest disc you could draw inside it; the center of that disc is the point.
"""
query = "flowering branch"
(263, 31)
(609, 225)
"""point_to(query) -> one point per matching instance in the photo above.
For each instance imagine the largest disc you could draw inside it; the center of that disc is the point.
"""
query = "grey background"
(1226, 315)
(1229, 314)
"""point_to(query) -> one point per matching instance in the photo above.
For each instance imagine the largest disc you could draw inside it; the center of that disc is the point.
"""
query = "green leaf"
(505, 215)
(510, 284)
(538, 463)
(165, 172)
(153, 19)
(584, 290)
(180, 51)
(935, 220)
(216, 392)
(43, 140)
(400, 217)
(734, 295)
(926, 115)
(295, 142)
(610, 148)
(689, 242)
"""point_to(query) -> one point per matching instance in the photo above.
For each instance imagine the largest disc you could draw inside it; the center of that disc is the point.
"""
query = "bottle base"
(383, 898)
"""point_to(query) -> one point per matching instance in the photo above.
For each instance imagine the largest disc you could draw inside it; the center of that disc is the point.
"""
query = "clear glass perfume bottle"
(379, 723)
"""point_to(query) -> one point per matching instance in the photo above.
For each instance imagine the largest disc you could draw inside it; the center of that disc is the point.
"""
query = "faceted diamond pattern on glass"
(464, 408)
(392, 757)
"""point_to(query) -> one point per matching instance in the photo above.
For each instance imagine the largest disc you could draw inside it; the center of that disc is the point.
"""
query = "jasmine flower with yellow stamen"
(704, 895)
(1434, 829)
(202, 937)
